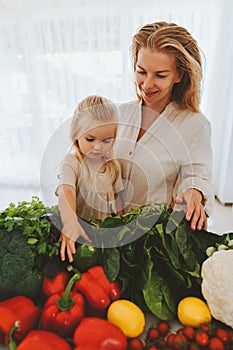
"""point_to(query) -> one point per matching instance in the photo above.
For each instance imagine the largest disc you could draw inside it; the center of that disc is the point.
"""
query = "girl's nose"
(98, 145)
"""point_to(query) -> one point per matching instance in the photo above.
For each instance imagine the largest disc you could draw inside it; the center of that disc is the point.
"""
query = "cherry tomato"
(205, 327)
(208, 328)
(170, 339)
(216, 344)
(193, 346)
(153, 334)
(179, 341)
(202, 338)
(223, 335)
(163, 328)
(230, 333)
(135, 344)
(180, 331)
(153, 347)
(189, 332)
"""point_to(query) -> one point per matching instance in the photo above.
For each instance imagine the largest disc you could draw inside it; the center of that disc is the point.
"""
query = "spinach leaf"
(158, 297)
(111, 263)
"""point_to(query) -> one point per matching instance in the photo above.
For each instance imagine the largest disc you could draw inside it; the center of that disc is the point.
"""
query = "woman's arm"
(196, 189)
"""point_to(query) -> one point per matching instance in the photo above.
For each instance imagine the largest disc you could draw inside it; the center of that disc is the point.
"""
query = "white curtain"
(219, 105)
(55, 52)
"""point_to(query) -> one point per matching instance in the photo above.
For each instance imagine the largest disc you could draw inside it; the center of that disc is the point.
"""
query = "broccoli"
(29, 233)
(18, 273)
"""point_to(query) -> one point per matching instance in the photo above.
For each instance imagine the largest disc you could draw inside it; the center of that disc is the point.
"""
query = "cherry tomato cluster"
(209, 336)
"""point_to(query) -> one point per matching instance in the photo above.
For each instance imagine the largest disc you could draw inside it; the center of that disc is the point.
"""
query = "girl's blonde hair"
(169, 37)
(91, 112)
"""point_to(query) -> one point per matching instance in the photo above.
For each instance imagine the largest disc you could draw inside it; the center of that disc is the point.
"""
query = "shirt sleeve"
(196, 172)
(69, 171)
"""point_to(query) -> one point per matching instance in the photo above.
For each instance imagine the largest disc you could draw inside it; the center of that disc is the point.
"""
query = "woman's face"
(97, 142)
(156, 73)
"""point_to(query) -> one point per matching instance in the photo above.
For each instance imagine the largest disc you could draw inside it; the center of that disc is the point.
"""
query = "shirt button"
(130, 153)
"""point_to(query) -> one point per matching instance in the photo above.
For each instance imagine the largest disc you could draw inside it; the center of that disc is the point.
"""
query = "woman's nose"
(148, 82)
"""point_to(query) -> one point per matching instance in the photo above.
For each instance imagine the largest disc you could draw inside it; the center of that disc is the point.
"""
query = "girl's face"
(156, 73)
(97, 142)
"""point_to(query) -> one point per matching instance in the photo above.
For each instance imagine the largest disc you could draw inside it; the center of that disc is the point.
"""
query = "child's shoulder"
(71, 157)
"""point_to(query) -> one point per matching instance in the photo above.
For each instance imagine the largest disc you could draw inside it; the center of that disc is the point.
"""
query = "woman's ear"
(179, 76)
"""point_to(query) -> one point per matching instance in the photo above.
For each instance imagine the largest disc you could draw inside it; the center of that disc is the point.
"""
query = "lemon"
(192, 311)
(127, 316)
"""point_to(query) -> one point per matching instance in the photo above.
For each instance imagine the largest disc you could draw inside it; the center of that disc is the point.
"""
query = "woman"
(165, 141)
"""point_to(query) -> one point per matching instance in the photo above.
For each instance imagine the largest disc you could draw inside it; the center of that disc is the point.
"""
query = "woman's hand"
(69, 236)
(195, 212)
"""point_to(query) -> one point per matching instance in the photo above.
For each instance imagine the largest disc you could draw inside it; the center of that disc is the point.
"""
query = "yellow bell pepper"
(127, 316)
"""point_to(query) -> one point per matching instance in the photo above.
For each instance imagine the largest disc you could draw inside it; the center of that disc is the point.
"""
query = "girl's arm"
(119, 204)
(71, 229)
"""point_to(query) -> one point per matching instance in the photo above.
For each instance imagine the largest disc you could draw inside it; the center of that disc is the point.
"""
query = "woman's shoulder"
(188, 115)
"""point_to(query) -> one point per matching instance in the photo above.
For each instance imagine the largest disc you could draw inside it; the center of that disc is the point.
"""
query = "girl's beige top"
(95, 194)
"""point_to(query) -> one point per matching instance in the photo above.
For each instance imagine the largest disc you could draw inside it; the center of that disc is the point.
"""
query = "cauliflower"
(217, 285)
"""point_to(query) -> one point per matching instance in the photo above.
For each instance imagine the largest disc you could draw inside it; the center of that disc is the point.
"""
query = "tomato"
(223, 335)
(193, 346)
(153, 334)
(135, 344)
(205, 327)
(208, 328)
(179, 341)
(202, 338)
(216, 344)
(163, 328)
(189, 332)
(180, 331)
(170, 339)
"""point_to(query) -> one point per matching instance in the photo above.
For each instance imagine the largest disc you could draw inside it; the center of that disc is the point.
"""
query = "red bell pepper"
(97, 290)
(17, 308)
(99, 276)
(98, 334)
(39, 340)
(62, 312)
(54, 285)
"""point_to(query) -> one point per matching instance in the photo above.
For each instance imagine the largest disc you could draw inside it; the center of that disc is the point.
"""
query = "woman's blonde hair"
(169, 37)
(91, 112)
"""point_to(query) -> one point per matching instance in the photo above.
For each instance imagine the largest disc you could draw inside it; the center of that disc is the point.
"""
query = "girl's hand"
(194, 208)
(70, 234)
(67, 246)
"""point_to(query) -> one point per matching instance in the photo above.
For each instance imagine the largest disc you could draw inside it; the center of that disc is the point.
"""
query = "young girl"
(90, 178)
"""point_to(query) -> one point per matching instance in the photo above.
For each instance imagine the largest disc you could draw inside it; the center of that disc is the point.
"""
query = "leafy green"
(27, 236)
(156, 256)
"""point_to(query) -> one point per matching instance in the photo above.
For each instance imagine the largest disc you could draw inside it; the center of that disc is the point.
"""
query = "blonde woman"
(90, 178)
(167, 138)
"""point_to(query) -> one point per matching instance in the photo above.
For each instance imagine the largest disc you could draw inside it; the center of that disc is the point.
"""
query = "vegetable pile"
(145, 261)
(163, 264)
